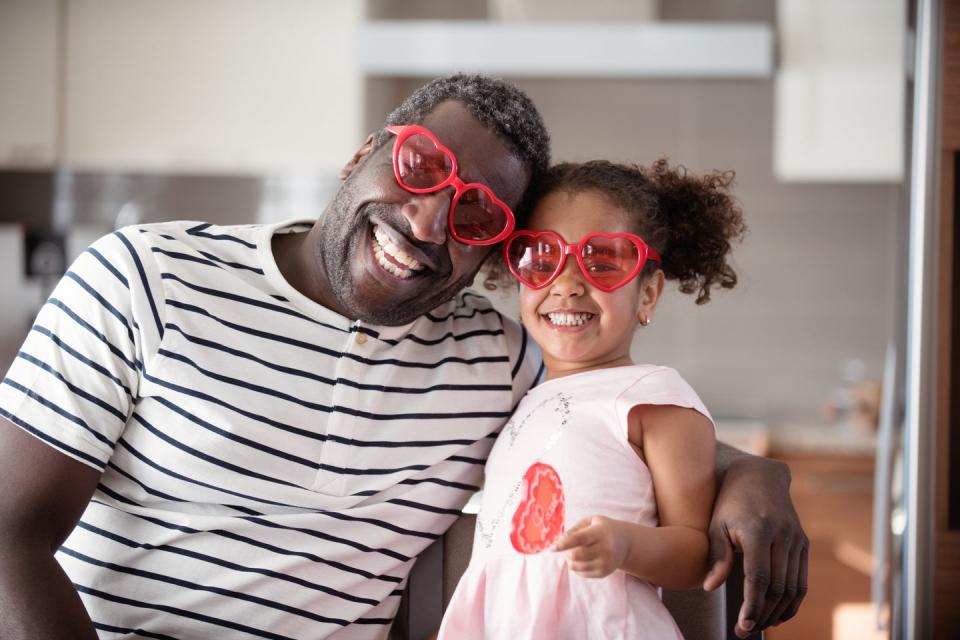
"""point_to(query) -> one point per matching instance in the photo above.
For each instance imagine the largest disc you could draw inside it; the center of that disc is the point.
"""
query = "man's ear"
(361, 153)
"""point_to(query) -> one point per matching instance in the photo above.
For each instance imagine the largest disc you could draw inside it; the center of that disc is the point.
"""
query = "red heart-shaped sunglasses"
(421, 164)
(608, 260)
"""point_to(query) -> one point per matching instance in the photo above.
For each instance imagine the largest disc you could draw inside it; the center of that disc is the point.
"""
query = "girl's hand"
(596, 546)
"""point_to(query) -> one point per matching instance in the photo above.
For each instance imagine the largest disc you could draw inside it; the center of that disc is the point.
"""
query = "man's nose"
(427, 215)
(570, 282)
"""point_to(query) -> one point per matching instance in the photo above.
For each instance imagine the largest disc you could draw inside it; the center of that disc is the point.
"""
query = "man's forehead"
(456, 126)
(482, 154)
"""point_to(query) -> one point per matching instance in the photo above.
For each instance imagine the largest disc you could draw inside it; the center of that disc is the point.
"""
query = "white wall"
(28, 79)
(223, 86)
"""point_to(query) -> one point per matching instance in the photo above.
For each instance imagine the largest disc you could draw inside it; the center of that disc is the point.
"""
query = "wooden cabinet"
(833, 495)
(840, 91)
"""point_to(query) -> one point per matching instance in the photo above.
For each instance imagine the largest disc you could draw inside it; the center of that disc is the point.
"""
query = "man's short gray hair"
(504, 108)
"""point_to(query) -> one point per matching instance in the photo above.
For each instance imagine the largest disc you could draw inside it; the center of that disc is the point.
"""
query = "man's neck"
(302, 268)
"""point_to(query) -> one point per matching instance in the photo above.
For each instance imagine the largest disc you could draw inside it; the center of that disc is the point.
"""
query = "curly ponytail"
(696, 220)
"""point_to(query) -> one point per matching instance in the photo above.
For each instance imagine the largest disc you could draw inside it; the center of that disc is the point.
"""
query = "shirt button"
(361, 338)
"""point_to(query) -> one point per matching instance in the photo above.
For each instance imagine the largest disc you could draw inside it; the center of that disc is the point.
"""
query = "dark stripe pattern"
(270, 469)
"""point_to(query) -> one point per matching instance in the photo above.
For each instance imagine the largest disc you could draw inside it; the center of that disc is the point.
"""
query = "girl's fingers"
(588, 569)
(591, 569)
(578, 535)
(579, 567)
(584, 553)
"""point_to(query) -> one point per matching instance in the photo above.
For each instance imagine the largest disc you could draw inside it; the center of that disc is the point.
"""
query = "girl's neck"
(557, 369)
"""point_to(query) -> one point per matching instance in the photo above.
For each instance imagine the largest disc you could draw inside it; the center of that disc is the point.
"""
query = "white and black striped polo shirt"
(270, 468)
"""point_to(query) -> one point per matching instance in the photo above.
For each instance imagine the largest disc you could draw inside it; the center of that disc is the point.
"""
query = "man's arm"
(754, 515)
(45, 493)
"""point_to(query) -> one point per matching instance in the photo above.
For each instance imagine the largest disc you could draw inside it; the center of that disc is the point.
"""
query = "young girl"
(599, 488)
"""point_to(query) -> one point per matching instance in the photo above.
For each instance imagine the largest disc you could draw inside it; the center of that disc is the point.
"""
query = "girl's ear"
(650, 292)
(361, 153)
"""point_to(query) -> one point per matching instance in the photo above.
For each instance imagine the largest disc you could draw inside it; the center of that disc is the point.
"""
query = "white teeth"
(563, 319)
(382, 260)
(386, 245)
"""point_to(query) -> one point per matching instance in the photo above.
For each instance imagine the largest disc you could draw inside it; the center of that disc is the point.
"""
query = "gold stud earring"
(644, 320)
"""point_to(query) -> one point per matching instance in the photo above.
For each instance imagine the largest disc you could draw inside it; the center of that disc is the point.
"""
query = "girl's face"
(577, 326)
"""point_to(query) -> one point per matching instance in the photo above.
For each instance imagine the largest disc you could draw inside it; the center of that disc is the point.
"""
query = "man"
(251, 432)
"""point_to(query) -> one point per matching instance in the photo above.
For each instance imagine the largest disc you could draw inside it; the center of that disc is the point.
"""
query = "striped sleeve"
(526, 362)
(76, 377)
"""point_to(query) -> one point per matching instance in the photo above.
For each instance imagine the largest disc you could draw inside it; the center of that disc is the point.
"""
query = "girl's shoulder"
(658, 385)
(653, 376)
(609, 383)
(617, 380)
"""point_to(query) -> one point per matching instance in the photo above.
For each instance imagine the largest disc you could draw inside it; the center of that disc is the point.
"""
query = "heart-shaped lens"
(421, 164)
(609, 262)
(534, 259)
(477, 217)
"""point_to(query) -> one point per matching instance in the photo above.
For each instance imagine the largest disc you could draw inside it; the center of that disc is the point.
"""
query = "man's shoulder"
(198, 234)
(194, 241)
(467, 308)
(471, 311)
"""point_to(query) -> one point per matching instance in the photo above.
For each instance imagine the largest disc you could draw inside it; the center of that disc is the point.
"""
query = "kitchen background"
(237, 111)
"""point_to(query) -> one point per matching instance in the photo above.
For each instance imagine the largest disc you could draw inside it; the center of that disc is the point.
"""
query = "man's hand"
(754, 515)
(596, 547)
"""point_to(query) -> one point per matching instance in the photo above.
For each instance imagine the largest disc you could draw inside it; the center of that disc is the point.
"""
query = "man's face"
(388, 253)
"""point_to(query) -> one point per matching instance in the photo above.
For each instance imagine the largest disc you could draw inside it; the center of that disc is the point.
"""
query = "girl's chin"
(566, 359)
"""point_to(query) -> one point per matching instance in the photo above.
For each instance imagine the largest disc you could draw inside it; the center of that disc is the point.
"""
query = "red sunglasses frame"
(403, 133)
(644, 252)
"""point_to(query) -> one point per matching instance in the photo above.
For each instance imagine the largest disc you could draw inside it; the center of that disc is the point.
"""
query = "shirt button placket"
(340, 424)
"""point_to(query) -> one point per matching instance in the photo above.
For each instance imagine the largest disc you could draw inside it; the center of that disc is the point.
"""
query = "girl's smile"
(578, 326)
(569, 319)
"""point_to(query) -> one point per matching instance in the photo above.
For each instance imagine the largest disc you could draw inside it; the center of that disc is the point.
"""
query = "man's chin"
(389, 318)
(376, 296)
(380, 309)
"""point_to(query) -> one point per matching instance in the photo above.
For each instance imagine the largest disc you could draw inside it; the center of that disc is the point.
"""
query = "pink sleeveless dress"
(578, 425)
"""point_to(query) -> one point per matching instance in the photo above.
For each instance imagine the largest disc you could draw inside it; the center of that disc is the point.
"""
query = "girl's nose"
(427, 215)
(570, 282)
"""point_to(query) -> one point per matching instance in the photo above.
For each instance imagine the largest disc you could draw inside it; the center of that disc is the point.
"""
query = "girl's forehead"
(579, 213)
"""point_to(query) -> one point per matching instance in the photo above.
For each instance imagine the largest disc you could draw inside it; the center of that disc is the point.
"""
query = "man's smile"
(391, 257)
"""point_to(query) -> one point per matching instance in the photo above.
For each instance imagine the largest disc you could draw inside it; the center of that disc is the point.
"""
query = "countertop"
(796, 438)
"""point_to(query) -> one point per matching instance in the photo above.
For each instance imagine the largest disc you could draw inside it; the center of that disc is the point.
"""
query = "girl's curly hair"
(690, 220)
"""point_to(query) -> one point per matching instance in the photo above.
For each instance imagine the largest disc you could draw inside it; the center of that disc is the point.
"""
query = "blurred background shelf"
(566, 49)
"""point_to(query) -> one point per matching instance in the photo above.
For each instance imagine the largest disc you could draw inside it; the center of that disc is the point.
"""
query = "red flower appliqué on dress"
(538, 520)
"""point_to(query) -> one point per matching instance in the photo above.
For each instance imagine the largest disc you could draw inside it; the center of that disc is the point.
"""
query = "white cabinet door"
(28, 83)
(840, 90)
(222, 86)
